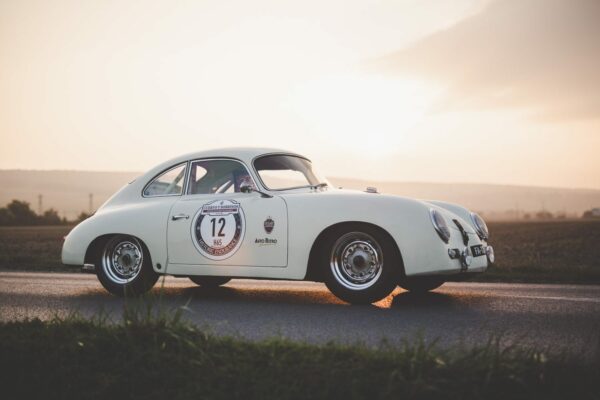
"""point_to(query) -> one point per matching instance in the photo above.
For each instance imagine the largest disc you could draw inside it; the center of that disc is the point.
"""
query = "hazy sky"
(498, 91)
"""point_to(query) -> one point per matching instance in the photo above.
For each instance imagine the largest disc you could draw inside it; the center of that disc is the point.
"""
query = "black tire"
(209, 281)
(348, 252)
(421, 284)
(109, 260)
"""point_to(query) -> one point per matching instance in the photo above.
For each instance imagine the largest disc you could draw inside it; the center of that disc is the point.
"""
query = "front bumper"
(468, 253)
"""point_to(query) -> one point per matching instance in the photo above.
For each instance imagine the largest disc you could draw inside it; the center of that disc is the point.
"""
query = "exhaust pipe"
(88, 268)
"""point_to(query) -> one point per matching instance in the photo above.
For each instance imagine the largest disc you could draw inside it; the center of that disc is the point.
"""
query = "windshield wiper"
(319, 185)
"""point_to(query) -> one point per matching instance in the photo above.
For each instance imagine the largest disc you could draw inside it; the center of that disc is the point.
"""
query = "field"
(35, 248)
(554, 251)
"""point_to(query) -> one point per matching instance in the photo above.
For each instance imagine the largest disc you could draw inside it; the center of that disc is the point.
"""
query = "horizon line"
(333, 177)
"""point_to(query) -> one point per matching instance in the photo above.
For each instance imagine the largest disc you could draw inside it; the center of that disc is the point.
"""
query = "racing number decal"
(218, 229)
(222, 222)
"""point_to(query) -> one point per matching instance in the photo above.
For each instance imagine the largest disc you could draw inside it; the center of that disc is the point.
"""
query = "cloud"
(539, 55)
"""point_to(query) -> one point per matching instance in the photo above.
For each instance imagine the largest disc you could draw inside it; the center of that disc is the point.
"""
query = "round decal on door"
(218, 229)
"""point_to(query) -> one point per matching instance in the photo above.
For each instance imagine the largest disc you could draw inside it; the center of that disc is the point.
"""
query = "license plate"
(478, 250)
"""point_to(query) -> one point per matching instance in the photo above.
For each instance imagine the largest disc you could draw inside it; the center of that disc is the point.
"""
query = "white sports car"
(267, 214)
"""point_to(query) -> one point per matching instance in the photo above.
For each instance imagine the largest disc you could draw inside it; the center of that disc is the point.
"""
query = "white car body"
(299, 216)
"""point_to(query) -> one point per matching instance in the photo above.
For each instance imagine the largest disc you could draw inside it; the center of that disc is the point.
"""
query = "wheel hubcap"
(122, 260)
(356, 260)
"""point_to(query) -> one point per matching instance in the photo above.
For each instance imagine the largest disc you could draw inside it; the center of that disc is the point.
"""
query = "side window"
(217, 176)
(169, 183)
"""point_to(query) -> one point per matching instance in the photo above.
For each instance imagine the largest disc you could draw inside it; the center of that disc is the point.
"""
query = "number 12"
(222, 222)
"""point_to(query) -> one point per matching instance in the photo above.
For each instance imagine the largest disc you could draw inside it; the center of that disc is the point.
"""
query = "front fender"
(408, 221)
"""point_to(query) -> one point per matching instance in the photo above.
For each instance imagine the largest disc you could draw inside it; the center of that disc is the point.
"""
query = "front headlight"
(440, 225)
(480, 226)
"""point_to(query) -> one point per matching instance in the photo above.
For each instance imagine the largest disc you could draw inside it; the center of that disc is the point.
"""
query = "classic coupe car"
(267, 214)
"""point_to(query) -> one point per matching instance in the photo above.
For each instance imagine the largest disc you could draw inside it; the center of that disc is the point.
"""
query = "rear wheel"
(363, 264)
(209, 281)
(125, 267)
(421, 284)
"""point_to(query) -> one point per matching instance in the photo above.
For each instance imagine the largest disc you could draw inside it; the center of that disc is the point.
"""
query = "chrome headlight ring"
(440, 225)
(480, 226)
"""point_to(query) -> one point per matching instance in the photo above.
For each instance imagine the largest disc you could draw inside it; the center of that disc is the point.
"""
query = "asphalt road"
(554, 317)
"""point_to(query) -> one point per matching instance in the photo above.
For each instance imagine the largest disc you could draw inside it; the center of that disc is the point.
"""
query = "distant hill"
(68, 192)
(495, 201)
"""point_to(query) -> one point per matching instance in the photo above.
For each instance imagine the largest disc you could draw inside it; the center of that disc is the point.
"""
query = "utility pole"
(40, 204)
(91, 205)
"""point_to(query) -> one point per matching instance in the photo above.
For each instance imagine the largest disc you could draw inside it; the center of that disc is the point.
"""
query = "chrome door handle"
(179, 216)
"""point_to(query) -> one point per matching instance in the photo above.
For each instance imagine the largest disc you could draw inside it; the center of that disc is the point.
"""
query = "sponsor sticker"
(265, 241)
(218, 229)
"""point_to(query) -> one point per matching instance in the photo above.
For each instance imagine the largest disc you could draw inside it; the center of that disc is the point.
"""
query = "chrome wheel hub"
(356, 260)
(122, 260)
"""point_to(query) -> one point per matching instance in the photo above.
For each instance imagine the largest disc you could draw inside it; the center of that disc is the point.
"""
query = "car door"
(216, 224)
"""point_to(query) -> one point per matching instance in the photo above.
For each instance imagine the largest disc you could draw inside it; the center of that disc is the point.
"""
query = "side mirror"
(248, 188)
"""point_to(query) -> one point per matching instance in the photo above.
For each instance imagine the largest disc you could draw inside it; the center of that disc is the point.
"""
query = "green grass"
(152, 355)
(555, 251)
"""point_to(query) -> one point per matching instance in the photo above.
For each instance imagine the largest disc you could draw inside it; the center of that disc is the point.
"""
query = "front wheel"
(363, 264)
(209, 281)
(421, 284)
(125, 267)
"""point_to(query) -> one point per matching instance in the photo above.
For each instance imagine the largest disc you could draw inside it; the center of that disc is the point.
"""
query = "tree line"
(19, 213)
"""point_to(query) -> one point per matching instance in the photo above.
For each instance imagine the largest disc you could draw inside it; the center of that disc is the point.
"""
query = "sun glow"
(359, 113)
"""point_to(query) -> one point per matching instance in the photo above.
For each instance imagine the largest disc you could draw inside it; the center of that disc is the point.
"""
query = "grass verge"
(156, 357)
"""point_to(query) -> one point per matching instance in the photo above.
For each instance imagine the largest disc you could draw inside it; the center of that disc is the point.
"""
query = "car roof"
(245, 154)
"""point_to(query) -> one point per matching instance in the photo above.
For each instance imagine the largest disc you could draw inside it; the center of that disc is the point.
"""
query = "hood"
(448, 210)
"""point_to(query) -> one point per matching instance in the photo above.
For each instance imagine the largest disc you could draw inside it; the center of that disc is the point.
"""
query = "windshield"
(279, 172)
